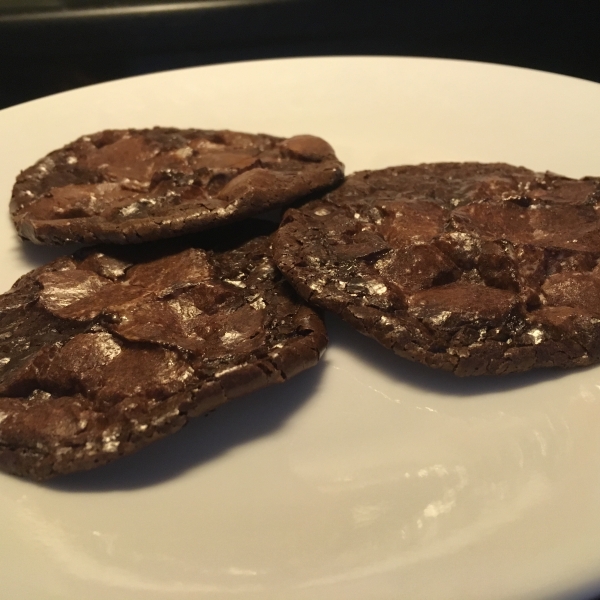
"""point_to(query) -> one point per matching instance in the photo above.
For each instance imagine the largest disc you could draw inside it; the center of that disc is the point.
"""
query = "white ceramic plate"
(368, 477)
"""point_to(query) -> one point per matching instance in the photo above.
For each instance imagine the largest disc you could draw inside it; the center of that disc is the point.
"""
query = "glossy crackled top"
(104, 351)
(465, 257)
(127, 186)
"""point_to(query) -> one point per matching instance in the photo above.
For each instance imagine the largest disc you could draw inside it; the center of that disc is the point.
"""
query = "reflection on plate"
(367, 477)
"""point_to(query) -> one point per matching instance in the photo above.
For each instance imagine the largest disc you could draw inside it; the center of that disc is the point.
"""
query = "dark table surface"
(48, 46)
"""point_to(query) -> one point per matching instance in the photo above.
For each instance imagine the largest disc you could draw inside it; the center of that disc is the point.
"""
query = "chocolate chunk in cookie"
(472, 268)
(104, 351)
(130, 186)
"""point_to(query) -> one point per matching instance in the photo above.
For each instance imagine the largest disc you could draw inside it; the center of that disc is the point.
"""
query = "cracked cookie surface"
(106, 350)
(135, 185)
(468, 267)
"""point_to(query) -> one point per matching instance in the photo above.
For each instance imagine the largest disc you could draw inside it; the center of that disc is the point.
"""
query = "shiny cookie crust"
(134, 185)
(107, 350)
(468, 267)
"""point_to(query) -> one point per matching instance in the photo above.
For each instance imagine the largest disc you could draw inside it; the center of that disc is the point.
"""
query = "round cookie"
(129, 186)
(467, 267)
(105, 351)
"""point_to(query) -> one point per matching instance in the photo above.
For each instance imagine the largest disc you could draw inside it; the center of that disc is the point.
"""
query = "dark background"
(63, 44)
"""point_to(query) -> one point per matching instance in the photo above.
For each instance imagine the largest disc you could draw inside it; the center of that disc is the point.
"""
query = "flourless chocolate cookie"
(129, 186)
(472, 268)
(103, 352)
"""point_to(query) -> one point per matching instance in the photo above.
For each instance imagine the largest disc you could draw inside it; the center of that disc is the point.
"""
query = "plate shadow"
(36, 255)
(415, 375)
(201, 440)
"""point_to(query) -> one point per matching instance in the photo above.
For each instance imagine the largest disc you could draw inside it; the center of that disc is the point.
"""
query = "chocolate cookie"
(103, 352)
(472, 268)
(129, 186)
